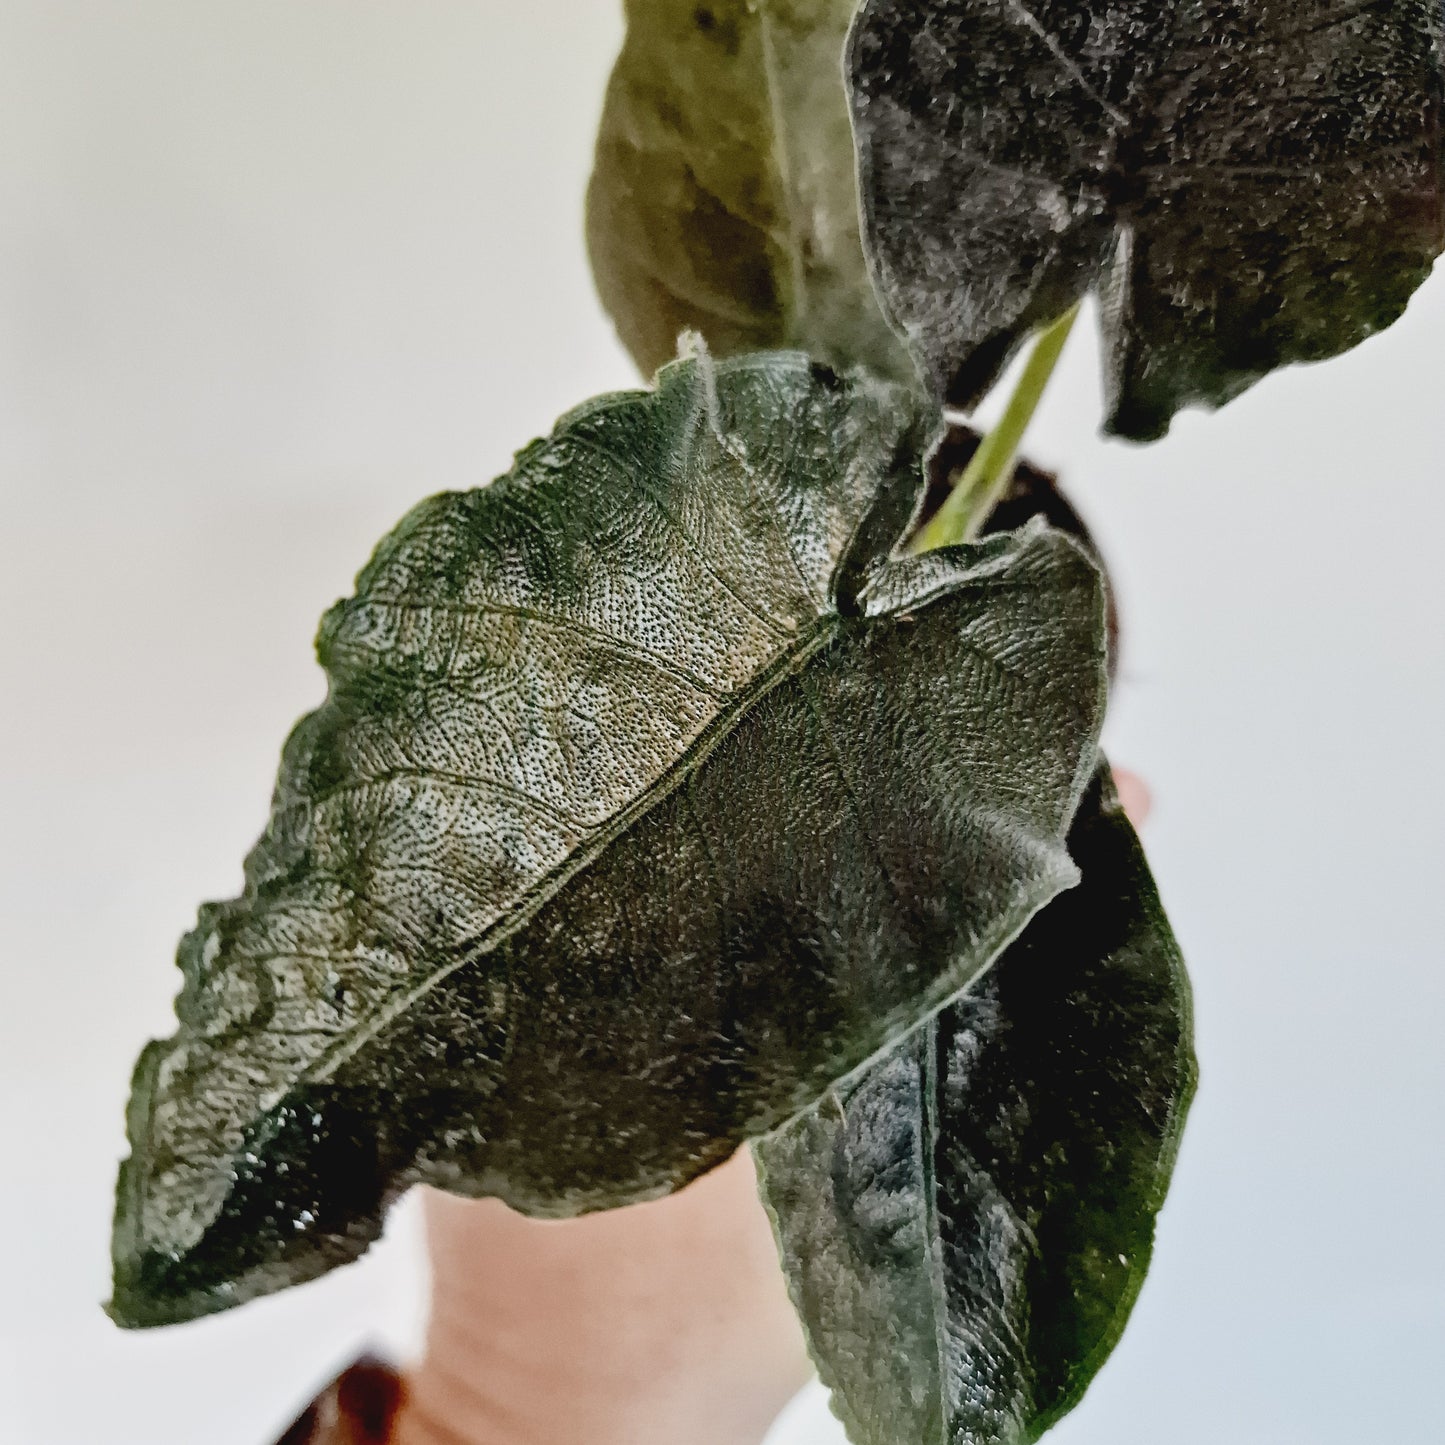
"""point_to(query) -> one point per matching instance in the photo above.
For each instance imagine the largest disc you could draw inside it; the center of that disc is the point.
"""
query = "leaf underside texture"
(966, 1223)
(652, 794)
(1245, 185)
(723, 197)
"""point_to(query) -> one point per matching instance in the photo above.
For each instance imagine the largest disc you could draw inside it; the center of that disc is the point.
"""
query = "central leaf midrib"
(785, 665)
(933, 1263)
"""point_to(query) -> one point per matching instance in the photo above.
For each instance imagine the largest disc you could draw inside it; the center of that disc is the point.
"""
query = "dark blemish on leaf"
(724, 32)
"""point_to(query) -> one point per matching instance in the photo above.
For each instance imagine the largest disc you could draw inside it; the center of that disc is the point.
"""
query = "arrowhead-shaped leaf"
(724, 198)
(650, 797)
(966, 1223)
(1246, 184)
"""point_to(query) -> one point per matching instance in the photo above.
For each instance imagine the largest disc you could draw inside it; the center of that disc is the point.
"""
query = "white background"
(272, 271)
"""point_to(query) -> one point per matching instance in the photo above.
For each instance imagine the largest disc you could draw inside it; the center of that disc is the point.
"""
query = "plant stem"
(987, 475)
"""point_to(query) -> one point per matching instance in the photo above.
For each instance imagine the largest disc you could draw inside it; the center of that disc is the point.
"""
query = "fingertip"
(1134, 795)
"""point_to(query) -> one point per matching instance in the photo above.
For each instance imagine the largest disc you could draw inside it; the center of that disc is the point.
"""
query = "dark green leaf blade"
(1246, 185)
(966, 1223)
(723, 198)
(634, 817)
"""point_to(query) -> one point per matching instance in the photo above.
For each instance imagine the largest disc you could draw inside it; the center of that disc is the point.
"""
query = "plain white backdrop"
(271, 272)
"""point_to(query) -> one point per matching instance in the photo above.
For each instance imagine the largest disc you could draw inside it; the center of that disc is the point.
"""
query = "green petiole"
(987, 475)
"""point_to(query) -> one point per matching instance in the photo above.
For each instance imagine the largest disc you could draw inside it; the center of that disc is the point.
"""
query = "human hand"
(649, 1325)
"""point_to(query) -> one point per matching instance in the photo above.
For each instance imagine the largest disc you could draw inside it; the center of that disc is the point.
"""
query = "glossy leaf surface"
(650, 796)
(1245, 184)
(724, 198)
(966, 1223)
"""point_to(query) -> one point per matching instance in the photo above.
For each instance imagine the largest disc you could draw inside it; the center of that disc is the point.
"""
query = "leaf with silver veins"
(651, 795)
(1245, 185)
(966, 1222)
(723, 197)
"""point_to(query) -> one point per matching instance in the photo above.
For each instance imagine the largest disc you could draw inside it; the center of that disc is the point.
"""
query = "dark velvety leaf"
(1031, 492)
(966, 1223)
(724, 198)
(649, 797)
(1246, 184)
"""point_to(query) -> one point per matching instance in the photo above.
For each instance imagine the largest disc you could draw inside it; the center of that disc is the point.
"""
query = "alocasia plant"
(639, 803)
(703, 781)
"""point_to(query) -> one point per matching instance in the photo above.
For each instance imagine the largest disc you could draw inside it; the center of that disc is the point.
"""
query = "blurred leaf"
(1245, 184)
(724, 198)
(638, 812)
(966, 1223)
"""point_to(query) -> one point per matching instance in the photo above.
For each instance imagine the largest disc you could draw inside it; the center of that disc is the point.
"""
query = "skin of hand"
(652, 1325)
